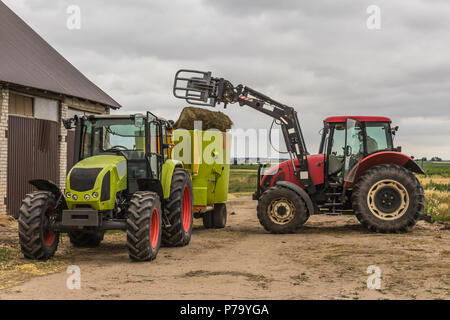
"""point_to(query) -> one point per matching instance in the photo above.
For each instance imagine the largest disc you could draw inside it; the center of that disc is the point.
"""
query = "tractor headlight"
(75, 197)
(86, 197)
(68, 194)
(94, 195)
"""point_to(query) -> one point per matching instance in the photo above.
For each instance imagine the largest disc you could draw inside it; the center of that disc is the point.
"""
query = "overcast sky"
(318, 56)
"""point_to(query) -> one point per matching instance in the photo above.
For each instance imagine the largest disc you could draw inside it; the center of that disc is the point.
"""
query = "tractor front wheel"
(85, 240)
(36, 238)
(180, 208)
(388, 198)
(281, 210)
(144, 226)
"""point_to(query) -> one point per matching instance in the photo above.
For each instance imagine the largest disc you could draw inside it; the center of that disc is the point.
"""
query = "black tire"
(405, 202)
(85, 240)
(208, 220)
(274, 218)
(36, 212)
(144, 226)
(219, 215)
(216, 218)
(179, 208)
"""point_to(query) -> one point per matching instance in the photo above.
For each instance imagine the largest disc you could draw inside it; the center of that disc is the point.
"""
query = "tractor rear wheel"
(281, 210)
(219, 216)
(37, 240)
(144, 226)
(388, 198)
(216, 218)
(85, 240)
(208, 220)
(180, 208)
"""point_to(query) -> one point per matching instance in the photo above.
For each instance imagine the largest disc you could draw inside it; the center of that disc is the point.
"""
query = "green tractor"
(123, 179)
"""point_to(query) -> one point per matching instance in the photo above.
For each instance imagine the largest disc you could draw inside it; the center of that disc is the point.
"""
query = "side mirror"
(394, 130)
(169, 124)
(69, 122)
(138, 120)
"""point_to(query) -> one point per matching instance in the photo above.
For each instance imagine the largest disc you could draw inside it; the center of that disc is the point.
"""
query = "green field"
(242, 180)
(436, 168)
(436, 183)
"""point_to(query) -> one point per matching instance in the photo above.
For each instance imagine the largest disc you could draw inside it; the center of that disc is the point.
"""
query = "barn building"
(38, 87)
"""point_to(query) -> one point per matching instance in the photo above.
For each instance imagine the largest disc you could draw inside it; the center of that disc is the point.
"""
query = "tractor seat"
(335, 164)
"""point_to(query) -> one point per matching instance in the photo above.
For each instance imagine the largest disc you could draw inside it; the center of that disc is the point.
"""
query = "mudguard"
(302, 193)
(166, 176)
(151, 185)
(384, 157)
(46, 185)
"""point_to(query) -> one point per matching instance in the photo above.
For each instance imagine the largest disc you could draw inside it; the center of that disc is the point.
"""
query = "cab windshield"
(113, 135)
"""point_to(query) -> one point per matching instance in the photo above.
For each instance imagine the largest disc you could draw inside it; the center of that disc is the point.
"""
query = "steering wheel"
(117, 147)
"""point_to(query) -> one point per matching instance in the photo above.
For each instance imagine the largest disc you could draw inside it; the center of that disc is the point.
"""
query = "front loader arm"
(208, 91)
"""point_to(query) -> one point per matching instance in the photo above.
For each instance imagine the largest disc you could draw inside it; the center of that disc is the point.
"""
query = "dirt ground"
(327, 259)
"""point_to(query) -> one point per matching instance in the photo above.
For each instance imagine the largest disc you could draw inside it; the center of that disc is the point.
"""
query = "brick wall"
(62, 148)
(4, 98)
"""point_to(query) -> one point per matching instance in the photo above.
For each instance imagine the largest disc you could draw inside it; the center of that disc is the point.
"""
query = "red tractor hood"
(284, 172)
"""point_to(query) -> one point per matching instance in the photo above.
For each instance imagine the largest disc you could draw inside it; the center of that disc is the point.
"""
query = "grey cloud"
(316, 56)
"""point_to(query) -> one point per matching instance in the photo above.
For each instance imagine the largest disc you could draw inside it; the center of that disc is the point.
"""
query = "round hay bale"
(209, 119)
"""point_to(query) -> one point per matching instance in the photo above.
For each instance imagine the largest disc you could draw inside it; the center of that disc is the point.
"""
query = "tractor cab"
(348, 140)
(137, 139)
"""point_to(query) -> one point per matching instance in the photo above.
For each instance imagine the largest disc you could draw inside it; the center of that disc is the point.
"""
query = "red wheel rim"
(154, 228)
(49, 237)
(187, 206)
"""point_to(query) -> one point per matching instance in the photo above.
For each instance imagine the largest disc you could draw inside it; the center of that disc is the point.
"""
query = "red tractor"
(357, 171)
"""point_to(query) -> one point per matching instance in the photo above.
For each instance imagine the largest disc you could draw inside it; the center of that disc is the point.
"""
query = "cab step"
(333, 204)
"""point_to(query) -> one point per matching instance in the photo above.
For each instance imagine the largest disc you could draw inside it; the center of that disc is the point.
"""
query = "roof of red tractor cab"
(359, 118)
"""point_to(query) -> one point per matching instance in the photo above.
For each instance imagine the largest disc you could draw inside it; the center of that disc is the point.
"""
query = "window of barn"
(20, 105)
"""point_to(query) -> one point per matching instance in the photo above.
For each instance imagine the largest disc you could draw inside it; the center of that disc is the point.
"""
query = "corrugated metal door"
(32, 154)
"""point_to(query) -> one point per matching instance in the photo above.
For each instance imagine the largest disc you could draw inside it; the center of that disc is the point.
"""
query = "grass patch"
(15, 269)
(437, 197)
(437, 204)
(5, 255)
(244, 166)
(115, 232)
(437, 186)
(242, 181)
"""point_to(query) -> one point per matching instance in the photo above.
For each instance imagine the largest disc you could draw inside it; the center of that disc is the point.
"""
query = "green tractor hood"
(94, 181)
